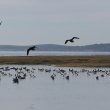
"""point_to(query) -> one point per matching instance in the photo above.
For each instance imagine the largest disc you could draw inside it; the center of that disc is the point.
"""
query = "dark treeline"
(55, 47)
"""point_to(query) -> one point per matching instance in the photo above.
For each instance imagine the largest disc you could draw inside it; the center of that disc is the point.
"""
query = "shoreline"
(64, 61)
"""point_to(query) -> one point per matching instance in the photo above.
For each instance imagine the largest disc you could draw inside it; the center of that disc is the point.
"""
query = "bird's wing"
(28, 51)
(33, 48)
(66, 41)
(75, 38)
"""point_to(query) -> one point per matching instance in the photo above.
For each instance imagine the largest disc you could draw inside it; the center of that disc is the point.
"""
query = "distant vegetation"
(67, 61)
(55, 47)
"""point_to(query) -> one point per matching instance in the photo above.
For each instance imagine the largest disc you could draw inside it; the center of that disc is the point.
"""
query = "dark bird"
(30, 48)
(97, 78)
(71, 40)
(15, 80)
(67, 77)
(1, 23)
(52, 76)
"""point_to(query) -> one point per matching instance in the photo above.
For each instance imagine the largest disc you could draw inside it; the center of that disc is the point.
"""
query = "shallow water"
(50, 53)
(38, 91)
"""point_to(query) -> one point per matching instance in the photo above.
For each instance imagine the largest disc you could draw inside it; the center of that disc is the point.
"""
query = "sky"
(28, 22)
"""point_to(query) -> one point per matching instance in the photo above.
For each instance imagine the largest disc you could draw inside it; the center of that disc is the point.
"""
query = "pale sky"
(27, 22)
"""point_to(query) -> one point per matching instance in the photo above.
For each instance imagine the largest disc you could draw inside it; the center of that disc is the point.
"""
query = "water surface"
(38, 91)
(50, 53)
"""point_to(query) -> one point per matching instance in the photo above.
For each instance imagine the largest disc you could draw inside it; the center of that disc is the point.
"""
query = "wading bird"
(30, 48)
(71, 40)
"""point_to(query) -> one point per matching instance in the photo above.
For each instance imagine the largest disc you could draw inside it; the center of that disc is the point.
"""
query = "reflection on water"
(37, 87)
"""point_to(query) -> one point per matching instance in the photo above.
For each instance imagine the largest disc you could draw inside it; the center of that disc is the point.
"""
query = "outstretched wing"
(66, 41)
(28, 51)
(75, 38)
(34, 47)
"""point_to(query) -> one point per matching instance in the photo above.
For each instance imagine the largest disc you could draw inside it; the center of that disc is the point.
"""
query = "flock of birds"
(34, 47)
(19, 73)
(23, 72)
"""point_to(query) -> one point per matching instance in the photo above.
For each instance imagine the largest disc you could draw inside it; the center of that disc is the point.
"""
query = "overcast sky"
(27, 22)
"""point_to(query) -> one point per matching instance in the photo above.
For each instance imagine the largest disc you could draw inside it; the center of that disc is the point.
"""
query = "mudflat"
(66, 61)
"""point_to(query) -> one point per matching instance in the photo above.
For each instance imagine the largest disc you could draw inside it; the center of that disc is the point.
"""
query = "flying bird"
(71, 40)
(30, 48)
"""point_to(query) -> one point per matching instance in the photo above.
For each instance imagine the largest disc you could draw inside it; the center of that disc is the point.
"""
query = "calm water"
(50, 53)
(38, 91)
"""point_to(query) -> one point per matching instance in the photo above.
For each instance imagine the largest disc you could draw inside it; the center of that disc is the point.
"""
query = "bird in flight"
(1, 23)
(30, 48)
(71, 40)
